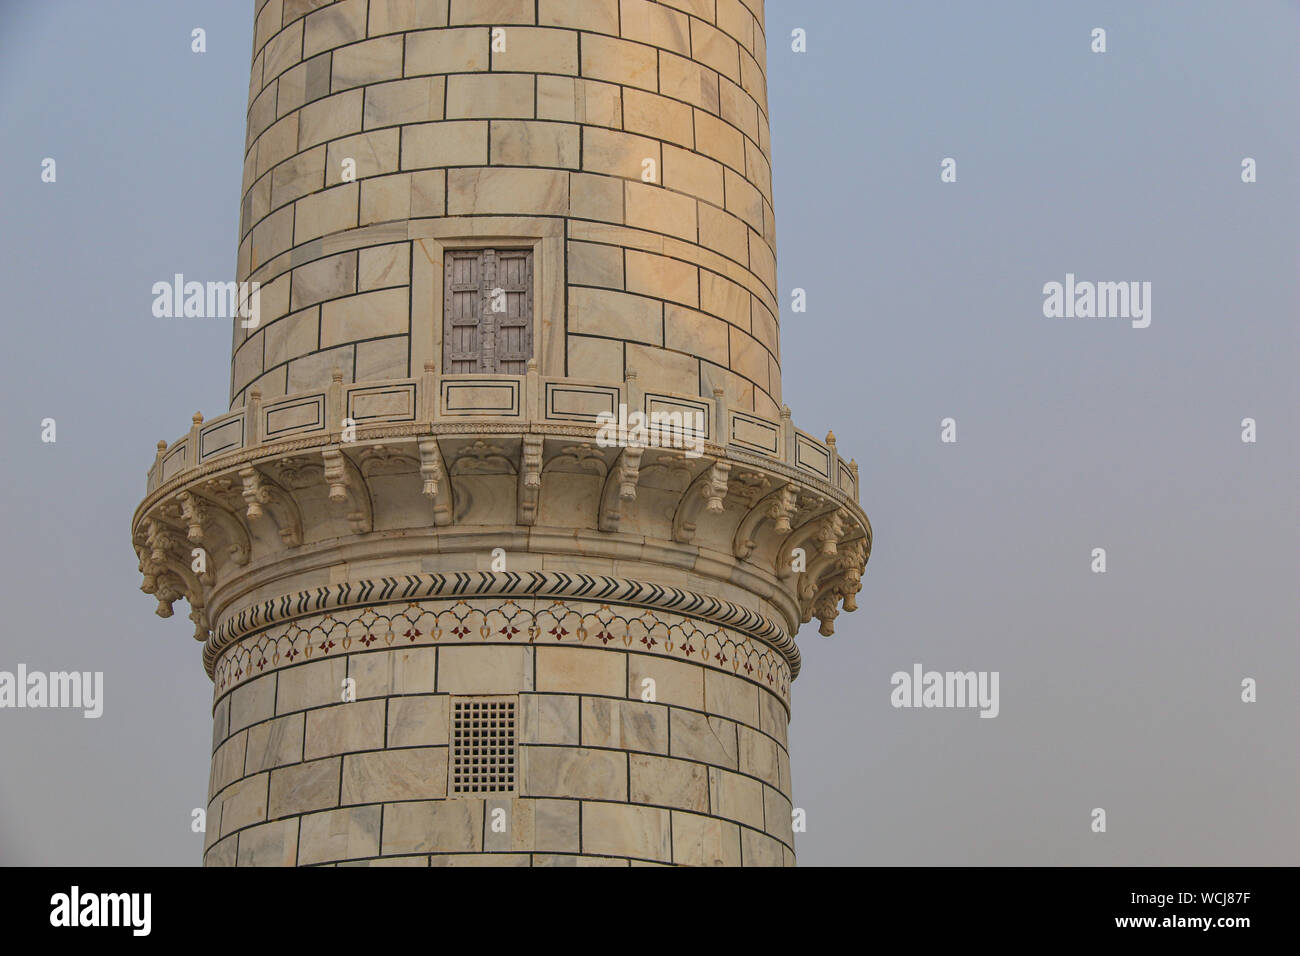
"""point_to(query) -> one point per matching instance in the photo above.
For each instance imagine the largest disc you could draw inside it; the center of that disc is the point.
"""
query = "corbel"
(778, 507)
(530, 478)
(347, 484)
(437, 488)
(620, 485)
(707, 491)
(259, 490)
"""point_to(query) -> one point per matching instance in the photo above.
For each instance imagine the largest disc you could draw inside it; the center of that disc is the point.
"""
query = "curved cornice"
(285, 511)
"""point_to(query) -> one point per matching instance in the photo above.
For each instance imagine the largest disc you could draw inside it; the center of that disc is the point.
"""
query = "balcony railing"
(433, 397)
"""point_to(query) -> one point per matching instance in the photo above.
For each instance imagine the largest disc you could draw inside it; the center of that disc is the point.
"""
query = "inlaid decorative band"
(525, 584)
(482, 621)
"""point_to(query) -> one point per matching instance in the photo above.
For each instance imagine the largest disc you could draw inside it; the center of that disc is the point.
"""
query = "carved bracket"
(830, 579)
(715, 489)
(530, 479)
(778, 507)
(829, 532)
(258, 490)
(255, 493)
(168, 576)
(348, 486)
(707, 491)
(811, 536)
(620, 485)
(202, 516)
(437, 488)
(195, 515)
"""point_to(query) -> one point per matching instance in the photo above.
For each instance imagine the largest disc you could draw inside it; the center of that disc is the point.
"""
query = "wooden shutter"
(462, 333)
(514, 324)
(488, 311)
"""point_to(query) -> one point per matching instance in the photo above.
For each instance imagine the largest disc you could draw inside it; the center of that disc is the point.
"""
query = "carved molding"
(482, 458)
(385, 459)
(585, 456)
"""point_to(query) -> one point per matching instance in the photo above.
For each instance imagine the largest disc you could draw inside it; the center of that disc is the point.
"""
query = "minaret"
(499, 554)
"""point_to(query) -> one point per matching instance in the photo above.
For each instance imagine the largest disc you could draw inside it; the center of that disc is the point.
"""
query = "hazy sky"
(1119, 690)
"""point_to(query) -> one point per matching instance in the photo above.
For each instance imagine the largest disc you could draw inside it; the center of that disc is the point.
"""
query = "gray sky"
(1118, 690)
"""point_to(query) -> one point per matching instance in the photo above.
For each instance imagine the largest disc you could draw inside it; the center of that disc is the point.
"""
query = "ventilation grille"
(482, 746)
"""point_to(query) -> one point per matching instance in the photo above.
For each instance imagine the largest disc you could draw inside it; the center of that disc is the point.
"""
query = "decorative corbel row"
(768, 517)
(437, 488)
(620, 485)
(347, 485)
(530, 479)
